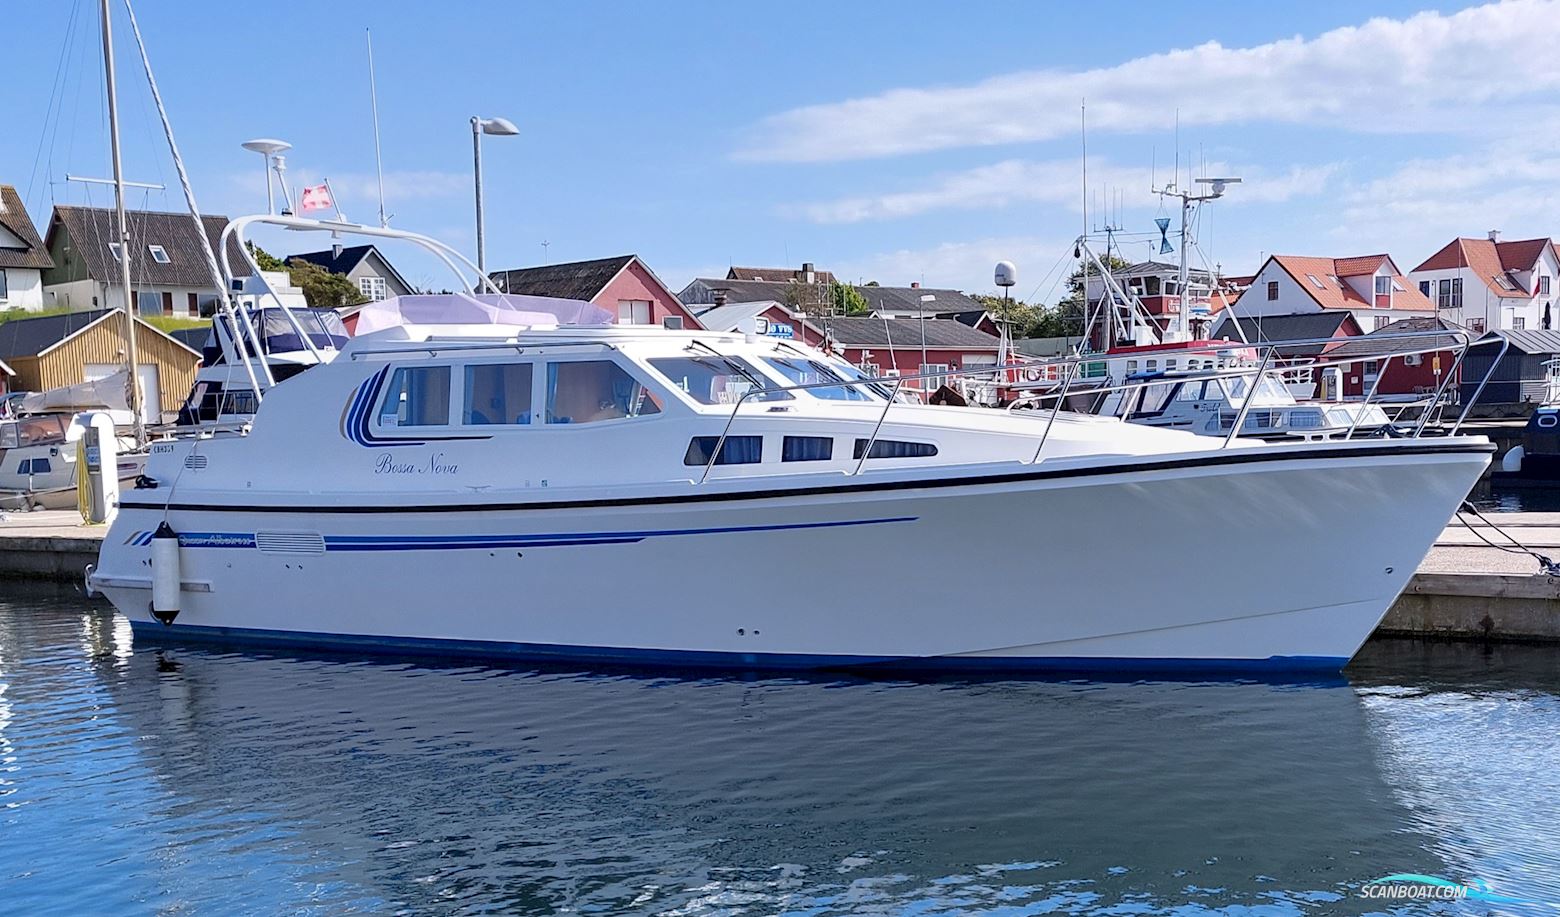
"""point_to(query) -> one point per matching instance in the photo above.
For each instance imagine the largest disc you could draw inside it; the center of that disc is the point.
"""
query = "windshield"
(1269, 391)
(716, 379)
(807, 372)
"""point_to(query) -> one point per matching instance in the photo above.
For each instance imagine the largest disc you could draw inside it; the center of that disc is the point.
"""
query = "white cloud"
(1016, 181)
(967, 265)
(1384, 75)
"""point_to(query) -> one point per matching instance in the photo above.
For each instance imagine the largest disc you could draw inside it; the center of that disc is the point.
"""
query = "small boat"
(511, 476)
(1211, 405)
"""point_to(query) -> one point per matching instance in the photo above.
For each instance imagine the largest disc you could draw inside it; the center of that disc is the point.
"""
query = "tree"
(321, 288)
(266, 260)
(849, 301)
(1071, 308)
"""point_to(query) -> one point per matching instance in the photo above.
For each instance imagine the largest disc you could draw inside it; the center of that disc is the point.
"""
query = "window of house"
(1383, 285)
(5, 289)
(1424, 288)
(736, 450)
(418, 396)
(1272, 290)
(1315, 282)
(591, 391)
(1335, 279)
(1443, 299)
(672, 323)
(373, 287)
(1476, 325)
(158, 253)
(633, 312)
(1382, 321)
(148, 302)
(1457, 292)
(113, 249)
(1518, 323)
(1397, 287)
(1543, 285)
(716, 379)
(938, 375)
(497, 393)
(807, 449)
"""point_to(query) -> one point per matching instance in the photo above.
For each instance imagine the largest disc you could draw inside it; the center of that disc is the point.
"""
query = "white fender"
(1512, 461)
(166, 576)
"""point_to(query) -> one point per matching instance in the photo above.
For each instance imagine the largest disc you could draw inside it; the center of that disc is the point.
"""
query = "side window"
(590, 391)
(418, 396)
(497, 393)
(716, 380)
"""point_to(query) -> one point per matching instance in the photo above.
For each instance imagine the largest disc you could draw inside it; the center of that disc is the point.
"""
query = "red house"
(894, 346)
(621, 285)
(1408, 374)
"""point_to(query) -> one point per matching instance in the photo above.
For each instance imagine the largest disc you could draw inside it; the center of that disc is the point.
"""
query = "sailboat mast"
(131, 360)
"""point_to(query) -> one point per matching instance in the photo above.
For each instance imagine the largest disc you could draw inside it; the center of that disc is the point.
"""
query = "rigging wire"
(51, 112)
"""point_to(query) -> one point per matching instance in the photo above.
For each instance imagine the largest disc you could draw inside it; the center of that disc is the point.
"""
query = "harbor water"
(138, 778)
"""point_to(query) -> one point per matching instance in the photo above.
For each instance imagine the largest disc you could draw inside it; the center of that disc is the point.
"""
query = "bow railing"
(1259, 362)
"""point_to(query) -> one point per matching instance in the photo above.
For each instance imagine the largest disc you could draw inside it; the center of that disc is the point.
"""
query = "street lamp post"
(498, 127)
(926, 299)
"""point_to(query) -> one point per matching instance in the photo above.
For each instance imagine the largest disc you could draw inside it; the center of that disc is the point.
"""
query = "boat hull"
(1252, 559)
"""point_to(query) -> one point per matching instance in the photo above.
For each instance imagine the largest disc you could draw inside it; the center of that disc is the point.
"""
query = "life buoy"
(1033, 375)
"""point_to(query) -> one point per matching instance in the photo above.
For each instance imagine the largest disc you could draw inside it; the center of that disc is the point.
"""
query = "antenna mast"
(373, 103)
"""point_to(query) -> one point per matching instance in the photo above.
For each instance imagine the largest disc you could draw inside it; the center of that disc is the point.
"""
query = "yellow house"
(51, 351)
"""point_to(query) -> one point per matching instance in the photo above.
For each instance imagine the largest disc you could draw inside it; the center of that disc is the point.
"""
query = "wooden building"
(51, 351)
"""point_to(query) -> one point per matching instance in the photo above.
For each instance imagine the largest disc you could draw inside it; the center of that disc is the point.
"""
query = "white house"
(1490, 285)
(23, 257)
(1369, 287)
(169, 274)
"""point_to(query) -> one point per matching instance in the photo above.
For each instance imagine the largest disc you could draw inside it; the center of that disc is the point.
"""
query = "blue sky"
(886, 141)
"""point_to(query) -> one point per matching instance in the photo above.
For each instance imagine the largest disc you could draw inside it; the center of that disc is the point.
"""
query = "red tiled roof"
(1488, 260)
(1329, 293)
(1353, 267)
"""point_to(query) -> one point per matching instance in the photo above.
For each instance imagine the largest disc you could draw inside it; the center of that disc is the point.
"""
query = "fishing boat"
(504, 475)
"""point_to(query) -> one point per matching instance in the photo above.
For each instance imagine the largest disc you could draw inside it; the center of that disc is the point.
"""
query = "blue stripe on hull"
(543, 652)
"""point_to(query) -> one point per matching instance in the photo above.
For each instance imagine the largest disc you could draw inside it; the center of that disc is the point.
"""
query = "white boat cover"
(110, 392)
(478, 309)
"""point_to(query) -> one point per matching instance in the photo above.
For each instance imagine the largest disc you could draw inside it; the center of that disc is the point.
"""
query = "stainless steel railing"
(1344, 351)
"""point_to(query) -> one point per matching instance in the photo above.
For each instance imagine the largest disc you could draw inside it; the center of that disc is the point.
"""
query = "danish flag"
(316, 197)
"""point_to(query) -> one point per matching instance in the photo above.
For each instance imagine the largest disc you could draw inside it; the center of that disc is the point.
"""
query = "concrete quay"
(1464, 590)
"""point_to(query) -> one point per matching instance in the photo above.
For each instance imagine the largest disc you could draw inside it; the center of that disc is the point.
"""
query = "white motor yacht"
(1211, 406)
(506, 476)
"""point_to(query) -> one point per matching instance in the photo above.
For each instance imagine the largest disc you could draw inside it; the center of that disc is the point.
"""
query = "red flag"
(316, 198)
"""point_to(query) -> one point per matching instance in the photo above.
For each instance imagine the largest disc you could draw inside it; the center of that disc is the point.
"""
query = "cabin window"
(591, 391)
(807, 449)
(419, 396)
(736, 450)
(716, 379)
(1190, 391)
(1154, 399)
(33, 466)
(1132, 366)
(39, 430)
(807, 372)
(497, 393)
(893, 448)
(158, 253)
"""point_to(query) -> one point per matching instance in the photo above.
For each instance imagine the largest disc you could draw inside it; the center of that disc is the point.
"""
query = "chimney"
(1494, 235)
(720, 297)
(915, 285)
(807, 272)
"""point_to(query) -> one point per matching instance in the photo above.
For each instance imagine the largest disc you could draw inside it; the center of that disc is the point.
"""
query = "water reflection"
(237, 781)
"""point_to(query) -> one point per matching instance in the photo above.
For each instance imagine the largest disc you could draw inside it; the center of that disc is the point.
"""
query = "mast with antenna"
(131, 359)
(373, 104)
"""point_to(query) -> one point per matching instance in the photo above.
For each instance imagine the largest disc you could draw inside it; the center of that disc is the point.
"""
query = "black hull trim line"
(1040, 473)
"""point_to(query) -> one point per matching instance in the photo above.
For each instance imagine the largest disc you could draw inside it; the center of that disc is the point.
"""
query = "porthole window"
(893, 448)
(736, 450)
